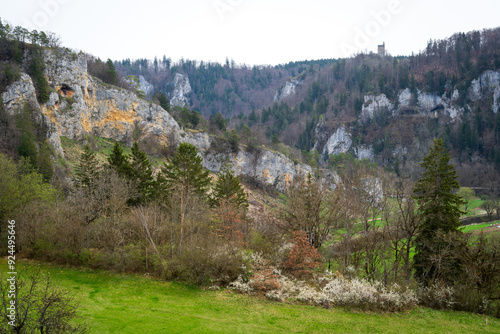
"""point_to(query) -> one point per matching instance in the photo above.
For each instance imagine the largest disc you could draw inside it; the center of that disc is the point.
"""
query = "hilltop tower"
(381, 50)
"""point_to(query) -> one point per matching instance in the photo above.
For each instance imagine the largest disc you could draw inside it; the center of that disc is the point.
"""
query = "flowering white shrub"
(437, 296)
(240, 285)
(363, 294)
(334, 289)
(338, 291)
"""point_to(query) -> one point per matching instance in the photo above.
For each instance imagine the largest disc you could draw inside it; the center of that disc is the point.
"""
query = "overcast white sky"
(249, 31)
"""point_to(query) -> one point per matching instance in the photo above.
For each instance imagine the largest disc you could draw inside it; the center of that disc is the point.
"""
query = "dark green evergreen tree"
(87, 170)
(228, 188)
(141, 174)
(220, 121)
(27, 146)
(439, 211)
(163, 101)
(185, 169)
(184, 184)
(118, 160)
(111, 73)
(36, 70)
(234, 140)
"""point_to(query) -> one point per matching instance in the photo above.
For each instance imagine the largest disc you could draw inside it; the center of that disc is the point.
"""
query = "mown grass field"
(118, 303)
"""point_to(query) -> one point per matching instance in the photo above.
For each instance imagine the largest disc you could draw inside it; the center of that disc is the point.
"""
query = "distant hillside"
(390, 107)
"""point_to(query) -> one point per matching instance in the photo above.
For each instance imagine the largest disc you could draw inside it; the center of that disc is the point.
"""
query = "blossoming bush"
(336, 290)
(437, 295)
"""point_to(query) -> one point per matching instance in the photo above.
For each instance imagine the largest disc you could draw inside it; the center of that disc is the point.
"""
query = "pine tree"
(228, 188)
(119, 162)
(439, 211)
(87, 170)
(141, 173)
(111, 73)
(186, 169)
(183, 181)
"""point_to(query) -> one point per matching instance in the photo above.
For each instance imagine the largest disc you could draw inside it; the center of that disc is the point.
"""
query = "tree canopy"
(439, 210)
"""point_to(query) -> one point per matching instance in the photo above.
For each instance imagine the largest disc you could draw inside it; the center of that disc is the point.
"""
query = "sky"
(252, 32)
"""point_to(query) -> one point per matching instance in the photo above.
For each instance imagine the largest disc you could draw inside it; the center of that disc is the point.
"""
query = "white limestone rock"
(145, 86)
(487, 83)
(286, 90)
(339, 142)
(182, 88)
(404, 98)
(268, 167)
(23, 92)
(373, 104)
(364, 152)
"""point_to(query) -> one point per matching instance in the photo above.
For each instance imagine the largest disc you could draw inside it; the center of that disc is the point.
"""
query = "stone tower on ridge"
(381, 50)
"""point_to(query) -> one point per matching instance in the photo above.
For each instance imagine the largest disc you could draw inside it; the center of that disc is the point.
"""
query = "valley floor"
(124, 303)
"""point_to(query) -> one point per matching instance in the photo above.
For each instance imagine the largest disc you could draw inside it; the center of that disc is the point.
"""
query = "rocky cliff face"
(145, 86)
(267, 167)
(286, 90)
(81, 104)
(488, 82)
(416, 104)
(339, 142)
(373, 104)
(23, 92)
(182, 88)
(423, 104)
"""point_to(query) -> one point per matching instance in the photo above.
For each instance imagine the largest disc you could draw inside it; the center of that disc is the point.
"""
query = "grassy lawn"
(117, 303)
(475, 227)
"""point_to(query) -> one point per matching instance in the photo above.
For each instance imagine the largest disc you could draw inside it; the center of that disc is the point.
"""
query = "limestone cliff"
(81, 104)
(182, 88)
(287, 89)
(408, 104)
(267, 167)
(23, 92)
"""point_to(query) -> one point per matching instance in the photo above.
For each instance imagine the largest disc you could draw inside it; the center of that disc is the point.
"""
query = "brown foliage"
(303, 257)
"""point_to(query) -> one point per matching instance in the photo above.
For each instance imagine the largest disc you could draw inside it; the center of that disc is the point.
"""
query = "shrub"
(437, 295)
(265, 280)
(303, 257)
(40, 306)
(327, 290)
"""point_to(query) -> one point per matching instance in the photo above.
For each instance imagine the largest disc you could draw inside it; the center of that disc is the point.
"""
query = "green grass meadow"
(124, 303)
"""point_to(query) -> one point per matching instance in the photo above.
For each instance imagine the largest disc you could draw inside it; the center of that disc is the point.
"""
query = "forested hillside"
(447, 90)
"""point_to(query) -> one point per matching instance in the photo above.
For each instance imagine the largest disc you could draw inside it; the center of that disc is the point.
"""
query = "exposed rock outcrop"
(364, 152)
(267, 167)
(145, 86)
(23, 93)
(339, 142)
(373, 104)
(488, 82)
(182, 88)
(82, 104)
(286, 90)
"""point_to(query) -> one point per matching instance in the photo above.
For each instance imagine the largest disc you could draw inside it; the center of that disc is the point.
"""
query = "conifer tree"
(118, 161)
(439, 211)
(185, 168)
(228, 188)
(184, 182)
(87, 169)
(141, 173)
(111, 73)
